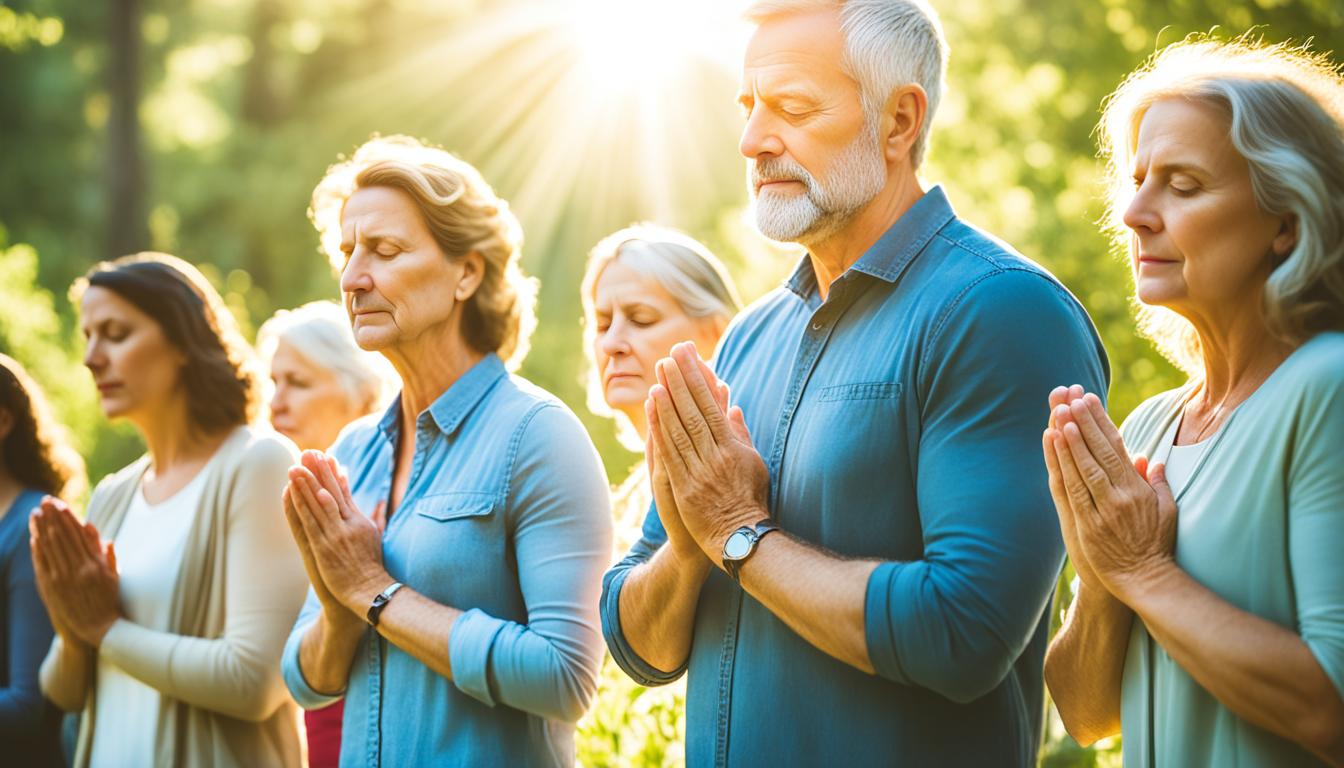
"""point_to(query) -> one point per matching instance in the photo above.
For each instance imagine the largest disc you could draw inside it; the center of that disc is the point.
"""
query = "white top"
(149, 549)
(1181, 463)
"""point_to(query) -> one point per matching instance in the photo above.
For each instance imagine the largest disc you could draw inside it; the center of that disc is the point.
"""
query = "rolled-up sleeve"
(1316, 519)
(652, 537)
(560, 518)
(956, 620)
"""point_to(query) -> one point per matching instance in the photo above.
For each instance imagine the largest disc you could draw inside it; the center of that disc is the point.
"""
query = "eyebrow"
(1198, 170)
(376, 239)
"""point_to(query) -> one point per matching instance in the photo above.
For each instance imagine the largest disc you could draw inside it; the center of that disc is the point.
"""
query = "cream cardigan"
(217, 662)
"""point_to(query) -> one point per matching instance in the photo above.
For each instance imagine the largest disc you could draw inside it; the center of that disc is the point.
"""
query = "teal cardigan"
(1261, 523)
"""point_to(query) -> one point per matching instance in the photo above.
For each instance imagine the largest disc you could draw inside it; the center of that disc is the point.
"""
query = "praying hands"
(342, 548)
(76, 573)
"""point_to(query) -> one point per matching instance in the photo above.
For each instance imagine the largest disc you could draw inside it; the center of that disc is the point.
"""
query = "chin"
(623, 398)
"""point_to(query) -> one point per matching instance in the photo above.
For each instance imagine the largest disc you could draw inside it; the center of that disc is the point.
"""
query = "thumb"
(738, 423)
(1157, 478)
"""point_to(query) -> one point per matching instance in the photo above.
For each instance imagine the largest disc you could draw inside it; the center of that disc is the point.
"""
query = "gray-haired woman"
(1209, 623)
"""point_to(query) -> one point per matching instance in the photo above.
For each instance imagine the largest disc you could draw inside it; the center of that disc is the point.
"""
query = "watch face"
(737, 546)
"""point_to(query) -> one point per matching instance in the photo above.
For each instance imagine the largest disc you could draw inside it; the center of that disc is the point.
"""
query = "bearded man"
(853, 556)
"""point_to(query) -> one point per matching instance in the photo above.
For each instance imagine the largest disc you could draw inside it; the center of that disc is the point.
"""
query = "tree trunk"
(127, 230)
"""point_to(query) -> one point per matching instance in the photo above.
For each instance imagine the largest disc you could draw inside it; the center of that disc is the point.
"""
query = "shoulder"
(254, 451)
(1317, 367)
(356, 437)
(540, 419)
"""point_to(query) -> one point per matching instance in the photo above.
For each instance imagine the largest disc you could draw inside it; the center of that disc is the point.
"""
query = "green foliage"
(633, 725)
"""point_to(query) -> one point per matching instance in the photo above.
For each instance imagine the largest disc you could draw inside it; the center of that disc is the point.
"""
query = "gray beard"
(856, 177)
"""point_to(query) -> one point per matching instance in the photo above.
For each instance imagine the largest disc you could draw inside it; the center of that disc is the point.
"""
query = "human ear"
(473, 272)
(902, 120)
(1284, 242)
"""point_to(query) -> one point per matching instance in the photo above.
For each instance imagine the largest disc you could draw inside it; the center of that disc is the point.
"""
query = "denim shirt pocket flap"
(866, 390)
(455, 505)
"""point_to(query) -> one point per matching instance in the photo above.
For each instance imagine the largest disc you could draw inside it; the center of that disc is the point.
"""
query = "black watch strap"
(380, 602)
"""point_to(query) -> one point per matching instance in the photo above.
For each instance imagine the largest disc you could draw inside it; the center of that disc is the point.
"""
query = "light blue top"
(901, 421)
(1260, 522)
(506, 517)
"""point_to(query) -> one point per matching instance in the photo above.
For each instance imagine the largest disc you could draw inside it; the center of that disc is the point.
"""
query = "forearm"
(420, 627)
(1263, 672)
(326, 652)
(1085, 664)
(818, 595)
(657, 607)
(66, 673)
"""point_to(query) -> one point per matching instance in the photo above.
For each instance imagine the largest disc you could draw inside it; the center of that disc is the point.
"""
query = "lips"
(107, 386)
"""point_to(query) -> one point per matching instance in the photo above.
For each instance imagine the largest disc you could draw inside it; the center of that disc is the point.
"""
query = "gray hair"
(320, 331)
(888, 44)
(679, 263)
(1285, 112)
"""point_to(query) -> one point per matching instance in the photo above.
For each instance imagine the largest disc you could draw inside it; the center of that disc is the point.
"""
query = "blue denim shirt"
(900, 421)
(507, 517)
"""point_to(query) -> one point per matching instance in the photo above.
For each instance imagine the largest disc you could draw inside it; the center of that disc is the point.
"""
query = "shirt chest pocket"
(848, 433)
(456, 544)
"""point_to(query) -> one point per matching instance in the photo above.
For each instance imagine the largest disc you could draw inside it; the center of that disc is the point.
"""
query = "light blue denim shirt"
(507, 517)
(900, 421)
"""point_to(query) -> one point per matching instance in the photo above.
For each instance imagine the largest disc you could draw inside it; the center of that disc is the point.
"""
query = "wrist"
(745, 516)
(1140, 584)
(358, 599)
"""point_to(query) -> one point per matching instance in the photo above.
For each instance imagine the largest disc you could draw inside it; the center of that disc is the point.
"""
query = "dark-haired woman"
(171, 605)
(35, 461)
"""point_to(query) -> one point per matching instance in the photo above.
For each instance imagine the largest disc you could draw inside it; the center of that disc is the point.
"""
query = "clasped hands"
(708, 479)
(342, 549)
(1117, 514)
(76, 573)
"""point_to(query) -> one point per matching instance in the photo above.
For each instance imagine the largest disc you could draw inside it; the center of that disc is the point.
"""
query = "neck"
(428, 367)
(9, 490)
(171, 440)
(1239, 353)
(838, 252)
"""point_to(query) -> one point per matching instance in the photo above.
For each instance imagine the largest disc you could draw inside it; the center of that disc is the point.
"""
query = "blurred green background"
(199, 127)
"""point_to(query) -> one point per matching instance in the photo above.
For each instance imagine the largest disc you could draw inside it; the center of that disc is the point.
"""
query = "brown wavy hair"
(35, 451)
(220, 376)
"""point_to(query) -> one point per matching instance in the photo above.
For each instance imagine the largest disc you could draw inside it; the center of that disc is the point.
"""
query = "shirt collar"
(898, 246)
(454, 405)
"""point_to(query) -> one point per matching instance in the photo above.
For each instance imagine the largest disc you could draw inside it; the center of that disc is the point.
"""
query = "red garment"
(324, 735)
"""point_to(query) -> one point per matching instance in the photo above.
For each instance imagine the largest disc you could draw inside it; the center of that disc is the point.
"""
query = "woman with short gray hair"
(1208, 626)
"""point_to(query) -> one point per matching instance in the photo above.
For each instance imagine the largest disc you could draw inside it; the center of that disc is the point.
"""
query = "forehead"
(288, 357)
(796, 49)
(1180, 130)
(380, 210)
(99, 304)
(622, 283)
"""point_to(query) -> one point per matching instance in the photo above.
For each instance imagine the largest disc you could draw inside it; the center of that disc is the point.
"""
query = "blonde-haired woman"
(465, 632)
(1209, 623)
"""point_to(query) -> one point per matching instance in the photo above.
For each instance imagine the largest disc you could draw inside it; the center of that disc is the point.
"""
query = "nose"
(759, 136)
(355, 276)
(278, 401)
(613, 341)
(1142, 214)
(94, 359)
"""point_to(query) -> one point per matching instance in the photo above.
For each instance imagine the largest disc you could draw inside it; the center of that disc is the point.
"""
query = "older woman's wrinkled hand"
(76, 573)
(1124, 523)
(341, 547)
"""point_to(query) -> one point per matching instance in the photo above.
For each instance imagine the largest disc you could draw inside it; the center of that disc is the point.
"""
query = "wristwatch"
(741, 544)
(380, 602)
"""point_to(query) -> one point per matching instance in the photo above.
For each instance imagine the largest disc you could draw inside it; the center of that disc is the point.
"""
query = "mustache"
(771, 169)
